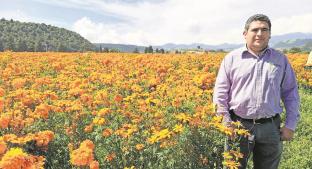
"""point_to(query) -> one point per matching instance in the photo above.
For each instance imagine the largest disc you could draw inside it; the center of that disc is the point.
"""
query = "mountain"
(224, 46)
(305, 44)
(290, 36)
(22, 36)
(285, 41)
(118, 47)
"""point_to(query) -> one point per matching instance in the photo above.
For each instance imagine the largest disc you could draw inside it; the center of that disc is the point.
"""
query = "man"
(251, 82)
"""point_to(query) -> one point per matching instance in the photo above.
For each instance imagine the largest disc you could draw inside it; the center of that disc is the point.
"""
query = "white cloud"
(296, 23)
(16, 15)
(155, 22)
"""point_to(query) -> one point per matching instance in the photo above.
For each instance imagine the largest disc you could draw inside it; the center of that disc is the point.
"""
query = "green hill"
(33, 37)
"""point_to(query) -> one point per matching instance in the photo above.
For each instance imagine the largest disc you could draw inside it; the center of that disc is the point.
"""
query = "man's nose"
(259, 32)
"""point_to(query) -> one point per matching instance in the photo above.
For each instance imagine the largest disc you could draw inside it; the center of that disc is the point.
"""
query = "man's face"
(257, 36)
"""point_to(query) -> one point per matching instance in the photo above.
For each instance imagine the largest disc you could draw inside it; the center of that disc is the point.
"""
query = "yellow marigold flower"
(231, 164)
(237, 124)
(178, 128)
(132, 167)
(242, 132)
(98, 121)
(15, 158)
(139, 147)
(104, 111)
(227, 155)
(183, 117)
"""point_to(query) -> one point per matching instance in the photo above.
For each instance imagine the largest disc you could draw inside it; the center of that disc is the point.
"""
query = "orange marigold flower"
(42, 111)
(43, 138)
(1, 104)
(83, 155)
(2, 92)
(94, 165)
(4, 121)
(88, 128)
(118, 98)
(3, 146)
(18, 83)
(111, 156)
(107, 132)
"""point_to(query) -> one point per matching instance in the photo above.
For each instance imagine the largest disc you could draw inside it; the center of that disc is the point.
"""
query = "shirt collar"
(245, 49)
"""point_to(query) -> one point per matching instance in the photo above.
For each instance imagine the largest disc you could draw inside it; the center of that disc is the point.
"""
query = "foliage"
(116, 110)
(20, 36)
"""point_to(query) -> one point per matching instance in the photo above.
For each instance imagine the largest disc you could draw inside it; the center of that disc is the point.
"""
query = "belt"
(235, 117)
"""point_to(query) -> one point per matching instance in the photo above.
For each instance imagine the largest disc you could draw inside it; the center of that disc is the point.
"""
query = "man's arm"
(221, 91)
(291, 100)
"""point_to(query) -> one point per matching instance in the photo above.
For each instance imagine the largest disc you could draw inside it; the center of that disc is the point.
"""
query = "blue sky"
(156, 22)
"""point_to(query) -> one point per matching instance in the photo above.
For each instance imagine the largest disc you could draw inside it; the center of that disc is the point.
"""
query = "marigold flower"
(94, 165)
(107, 132)
(139, 147)
(83, 155)
(15, 158)
(4, 121)
(118, 98)
(2, 92)
(110, 157)
(3, 146)
(178, 128)
(88, 128)
(1, 104)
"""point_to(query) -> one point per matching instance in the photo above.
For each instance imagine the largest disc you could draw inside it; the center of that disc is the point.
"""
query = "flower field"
(114, 110)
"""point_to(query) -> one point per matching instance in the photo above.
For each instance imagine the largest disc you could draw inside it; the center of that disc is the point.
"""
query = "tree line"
(32, 37)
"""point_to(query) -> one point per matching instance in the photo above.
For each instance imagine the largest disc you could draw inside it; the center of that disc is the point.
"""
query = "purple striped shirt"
(254, 86)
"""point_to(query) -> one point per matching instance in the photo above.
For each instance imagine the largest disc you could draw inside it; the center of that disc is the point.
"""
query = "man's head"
(257, 17)
(257, 32)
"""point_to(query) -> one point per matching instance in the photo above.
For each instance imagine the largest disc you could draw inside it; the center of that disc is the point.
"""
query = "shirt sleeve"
(290, 97)
(221, 91)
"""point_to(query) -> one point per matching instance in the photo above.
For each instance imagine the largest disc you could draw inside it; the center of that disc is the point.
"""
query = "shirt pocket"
(275, 73)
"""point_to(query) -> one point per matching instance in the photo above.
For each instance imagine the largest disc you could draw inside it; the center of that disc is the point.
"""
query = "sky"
(157, 22)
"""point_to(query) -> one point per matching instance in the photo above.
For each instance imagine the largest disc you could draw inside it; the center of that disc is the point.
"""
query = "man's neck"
(256, 53)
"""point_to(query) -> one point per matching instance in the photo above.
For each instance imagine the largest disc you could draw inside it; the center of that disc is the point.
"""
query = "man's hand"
(286, 134)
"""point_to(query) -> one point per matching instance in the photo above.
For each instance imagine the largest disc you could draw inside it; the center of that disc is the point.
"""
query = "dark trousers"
(264, 143)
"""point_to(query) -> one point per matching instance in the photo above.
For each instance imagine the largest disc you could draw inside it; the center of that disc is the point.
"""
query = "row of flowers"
(114, 110)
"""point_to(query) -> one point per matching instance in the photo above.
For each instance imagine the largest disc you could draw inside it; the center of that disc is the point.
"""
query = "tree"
(148, 49)
(19, 36)
(106, 50)
(61, 47)
(10, 44)
(136, 50)
(1, 46)
(295, 50)
(39, 46)
(21, 46)
(162, 51)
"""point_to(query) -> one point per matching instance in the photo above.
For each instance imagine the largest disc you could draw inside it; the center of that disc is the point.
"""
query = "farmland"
(117, 110)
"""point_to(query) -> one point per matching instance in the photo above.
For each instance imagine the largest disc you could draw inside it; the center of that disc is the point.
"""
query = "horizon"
(159, 22)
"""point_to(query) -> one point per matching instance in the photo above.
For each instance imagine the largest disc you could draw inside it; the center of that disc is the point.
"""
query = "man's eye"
(265, 29)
